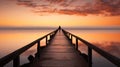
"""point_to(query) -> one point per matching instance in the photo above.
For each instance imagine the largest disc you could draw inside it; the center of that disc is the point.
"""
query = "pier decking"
(60, 53)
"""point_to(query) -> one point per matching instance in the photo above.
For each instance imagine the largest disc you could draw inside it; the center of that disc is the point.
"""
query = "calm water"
(109, 41)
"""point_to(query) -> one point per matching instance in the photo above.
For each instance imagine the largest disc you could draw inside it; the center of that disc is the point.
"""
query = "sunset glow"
(59, 33)
(22, 13)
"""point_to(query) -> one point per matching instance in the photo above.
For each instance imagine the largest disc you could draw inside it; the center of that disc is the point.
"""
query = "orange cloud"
(74, 7)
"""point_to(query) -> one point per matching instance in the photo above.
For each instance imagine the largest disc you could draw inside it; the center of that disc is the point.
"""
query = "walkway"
(60, 53)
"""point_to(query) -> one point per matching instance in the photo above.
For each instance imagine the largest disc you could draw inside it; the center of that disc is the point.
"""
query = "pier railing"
(91, 47)
(15, 56)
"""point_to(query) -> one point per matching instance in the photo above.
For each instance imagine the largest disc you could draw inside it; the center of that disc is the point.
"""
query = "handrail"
(115, 60)
(15, 55)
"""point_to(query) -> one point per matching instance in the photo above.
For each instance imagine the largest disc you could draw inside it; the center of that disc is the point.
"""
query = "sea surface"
(108, 40)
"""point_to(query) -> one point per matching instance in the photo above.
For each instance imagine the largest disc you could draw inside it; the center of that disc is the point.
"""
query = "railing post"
(38, 49)
(16, 61)
(71, 38)
(46, 40)
(90, 57)
(50, 36)
(69, 35)
(76, 43)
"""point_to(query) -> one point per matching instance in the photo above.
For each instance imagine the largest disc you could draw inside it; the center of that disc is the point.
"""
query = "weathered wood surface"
(59, 53)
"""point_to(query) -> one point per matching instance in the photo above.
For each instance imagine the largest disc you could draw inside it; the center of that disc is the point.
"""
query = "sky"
(67, 13)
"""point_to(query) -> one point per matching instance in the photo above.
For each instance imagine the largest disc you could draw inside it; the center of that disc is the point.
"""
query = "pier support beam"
(76, 43)
(46, 41)
(71, 38)
(16, 61)
(38, 49)
(90, 57)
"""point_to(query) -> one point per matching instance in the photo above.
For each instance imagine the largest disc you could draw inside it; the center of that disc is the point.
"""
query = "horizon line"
(69, 28)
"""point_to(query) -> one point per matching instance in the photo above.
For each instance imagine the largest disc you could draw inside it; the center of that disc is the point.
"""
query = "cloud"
(28, 3)
(74, 7)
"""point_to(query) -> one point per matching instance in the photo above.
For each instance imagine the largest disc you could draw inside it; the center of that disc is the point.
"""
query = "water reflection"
(110, 47)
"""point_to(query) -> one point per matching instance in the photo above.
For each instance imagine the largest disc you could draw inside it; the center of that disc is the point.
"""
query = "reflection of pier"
(59, 52)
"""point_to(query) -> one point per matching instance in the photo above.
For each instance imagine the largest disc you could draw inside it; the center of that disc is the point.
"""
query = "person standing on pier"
(59, 28)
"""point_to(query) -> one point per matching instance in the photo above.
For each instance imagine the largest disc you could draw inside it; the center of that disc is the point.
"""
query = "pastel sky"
(74, 13)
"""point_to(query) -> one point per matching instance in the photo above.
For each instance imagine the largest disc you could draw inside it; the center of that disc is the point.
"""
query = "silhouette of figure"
(59, 28)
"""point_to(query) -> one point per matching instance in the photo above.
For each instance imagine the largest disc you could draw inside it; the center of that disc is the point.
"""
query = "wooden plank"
(60, 53)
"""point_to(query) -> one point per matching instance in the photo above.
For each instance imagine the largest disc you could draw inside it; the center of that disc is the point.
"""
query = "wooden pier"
(59, 52)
